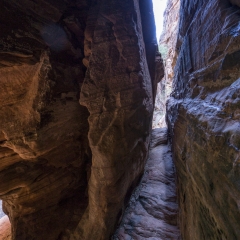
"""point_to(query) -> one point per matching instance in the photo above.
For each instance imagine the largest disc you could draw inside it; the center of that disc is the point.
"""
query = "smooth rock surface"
(204, 120)
(152, 210)
(5, 228)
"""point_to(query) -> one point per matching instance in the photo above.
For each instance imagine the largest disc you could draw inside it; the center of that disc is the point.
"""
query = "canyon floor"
(152, 211)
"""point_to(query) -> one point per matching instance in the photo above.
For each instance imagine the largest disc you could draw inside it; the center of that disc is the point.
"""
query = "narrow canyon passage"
(82, 84)
(152, 210)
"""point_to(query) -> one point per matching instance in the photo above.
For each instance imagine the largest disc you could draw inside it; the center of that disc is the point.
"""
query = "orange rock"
(5, 228)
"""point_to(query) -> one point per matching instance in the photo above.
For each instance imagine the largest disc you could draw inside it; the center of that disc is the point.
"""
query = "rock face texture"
(43, 129)
(152, 210)
(167, 48)
(5, 228)
(168, 38)
(204, 119)
(68, 169)
(117, 90)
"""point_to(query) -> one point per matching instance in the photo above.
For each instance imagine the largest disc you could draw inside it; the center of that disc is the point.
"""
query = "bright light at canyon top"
(159, 7)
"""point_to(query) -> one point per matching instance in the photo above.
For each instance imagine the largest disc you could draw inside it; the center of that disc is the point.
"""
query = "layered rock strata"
(152, 210)
(118, 93)
(204, 119)
(43, 130)
(67, 169)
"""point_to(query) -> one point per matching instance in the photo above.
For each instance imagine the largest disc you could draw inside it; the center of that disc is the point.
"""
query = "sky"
(159, 8)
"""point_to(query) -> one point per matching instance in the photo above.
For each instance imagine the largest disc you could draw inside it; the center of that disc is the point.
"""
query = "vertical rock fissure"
(152, 211)
(167, 48)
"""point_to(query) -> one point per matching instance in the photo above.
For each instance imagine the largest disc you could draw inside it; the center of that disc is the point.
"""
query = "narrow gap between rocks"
(152, 212)
(166, 32)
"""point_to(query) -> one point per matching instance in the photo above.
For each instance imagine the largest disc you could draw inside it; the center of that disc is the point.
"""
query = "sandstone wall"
(204, 119)
(67, 166)
(118, 93)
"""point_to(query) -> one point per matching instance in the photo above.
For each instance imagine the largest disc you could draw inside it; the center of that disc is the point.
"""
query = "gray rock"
(152, 210)
(204, 119)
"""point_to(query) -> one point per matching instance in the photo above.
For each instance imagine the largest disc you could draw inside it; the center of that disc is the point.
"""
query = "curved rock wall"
(203, 117)
(43, 130)
(117, 91)
(67, 166)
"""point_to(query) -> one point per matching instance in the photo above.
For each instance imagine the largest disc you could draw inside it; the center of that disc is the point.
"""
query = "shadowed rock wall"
(117, 91)
(43, 130)
(67, 166)
(203, 117)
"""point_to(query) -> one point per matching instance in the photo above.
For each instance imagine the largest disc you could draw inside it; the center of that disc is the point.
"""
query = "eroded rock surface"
(43, 130)
(67, 166)
(204, 120)
(152, 210)
(117, 90)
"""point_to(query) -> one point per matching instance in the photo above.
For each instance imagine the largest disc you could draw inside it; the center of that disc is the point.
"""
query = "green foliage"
(163, 50)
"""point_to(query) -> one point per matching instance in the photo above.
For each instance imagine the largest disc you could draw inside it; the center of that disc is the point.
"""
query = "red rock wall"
(43, 129)
(67, 169)
(117, 91)
(204, 119)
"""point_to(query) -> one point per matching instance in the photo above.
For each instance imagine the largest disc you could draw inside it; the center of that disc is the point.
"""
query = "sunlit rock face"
(66, 168)
(204, 119)
(167, 48)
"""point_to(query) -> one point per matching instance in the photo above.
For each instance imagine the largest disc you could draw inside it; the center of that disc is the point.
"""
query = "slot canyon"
(107, 132)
